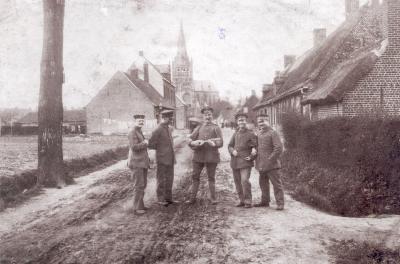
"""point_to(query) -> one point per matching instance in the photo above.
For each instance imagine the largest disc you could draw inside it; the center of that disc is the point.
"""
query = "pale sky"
(234, 43)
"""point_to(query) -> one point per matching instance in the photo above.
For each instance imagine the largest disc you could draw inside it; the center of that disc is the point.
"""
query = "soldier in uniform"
(242, 148)
(161, 140)
(268, 162)
(138, 162)
(205, 141)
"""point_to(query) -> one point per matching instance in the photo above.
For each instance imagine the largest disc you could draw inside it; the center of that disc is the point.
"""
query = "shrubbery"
(354, 163)
(352, 252)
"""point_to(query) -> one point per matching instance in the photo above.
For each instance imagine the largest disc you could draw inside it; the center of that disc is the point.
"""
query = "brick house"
(145, 89)
(353, 71)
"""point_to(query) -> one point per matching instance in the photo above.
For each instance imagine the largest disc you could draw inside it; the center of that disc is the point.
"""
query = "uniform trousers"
(243, 185)
(197, 168)
(139, 176)
(275, 177)
(165, 180)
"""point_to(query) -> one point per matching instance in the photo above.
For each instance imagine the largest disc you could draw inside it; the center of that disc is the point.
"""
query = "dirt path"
(92, 222)
(298, 234)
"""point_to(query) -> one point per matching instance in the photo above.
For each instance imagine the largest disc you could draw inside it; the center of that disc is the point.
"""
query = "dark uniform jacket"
(161, 140)
(242, 141)
(138, 156)
(269, 150)
(207, 153)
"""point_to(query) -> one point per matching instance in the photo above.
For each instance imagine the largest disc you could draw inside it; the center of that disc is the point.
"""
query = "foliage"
(352, 252)
(346, 159)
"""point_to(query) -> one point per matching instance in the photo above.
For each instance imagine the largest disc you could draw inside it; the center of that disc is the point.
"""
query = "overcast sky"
(234, 43)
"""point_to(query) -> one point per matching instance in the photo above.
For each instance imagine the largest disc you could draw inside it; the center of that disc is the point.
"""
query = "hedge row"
(10, 186)
(352, 164)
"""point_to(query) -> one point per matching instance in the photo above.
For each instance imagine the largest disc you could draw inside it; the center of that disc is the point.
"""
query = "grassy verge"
(352, 252)
(16, 188)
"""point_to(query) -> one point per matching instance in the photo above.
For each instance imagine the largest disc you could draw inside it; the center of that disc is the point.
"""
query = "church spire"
(182, 44)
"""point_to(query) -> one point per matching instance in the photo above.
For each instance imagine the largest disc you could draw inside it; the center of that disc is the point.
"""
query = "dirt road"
(92, 222)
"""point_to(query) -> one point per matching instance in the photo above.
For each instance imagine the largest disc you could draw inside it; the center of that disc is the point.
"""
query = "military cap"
(138, 116)
(207, 108)
(167, 113)
(241, 114)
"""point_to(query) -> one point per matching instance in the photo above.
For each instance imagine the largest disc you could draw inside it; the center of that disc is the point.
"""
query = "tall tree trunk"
(50, 113)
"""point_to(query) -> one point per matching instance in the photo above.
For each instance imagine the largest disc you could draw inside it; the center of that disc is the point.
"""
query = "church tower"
(182, 71)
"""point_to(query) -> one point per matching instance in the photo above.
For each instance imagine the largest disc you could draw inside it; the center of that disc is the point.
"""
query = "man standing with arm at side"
(268, 162)
(138, 162)
(161, 140)
(205, 141)
(242, 148)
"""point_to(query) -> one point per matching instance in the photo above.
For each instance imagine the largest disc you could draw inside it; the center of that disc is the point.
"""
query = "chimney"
(145, 67)
(267, 87)
(133, 73)
(288, 60)
(319, 36)
(146, 72)
(393, 24)
(351, 7)
(268, 90)
(279, 80)
(253, 92)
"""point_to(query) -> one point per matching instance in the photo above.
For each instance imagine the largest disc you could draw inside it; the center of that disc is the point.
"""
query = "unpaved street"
(92, 222)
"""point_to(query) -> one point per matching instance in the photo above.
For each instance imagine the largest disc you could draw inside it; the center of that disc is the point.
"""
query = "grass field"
(20, 153)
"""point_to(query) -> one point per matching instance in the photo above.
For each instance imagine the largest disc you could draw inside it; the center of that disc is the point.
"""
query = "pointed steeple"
(182, 53)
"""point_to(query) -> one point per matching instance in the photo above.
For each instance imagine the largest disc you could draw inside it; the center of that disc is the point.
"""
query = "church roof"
(204, 86)
(181, 43)
(181, 56)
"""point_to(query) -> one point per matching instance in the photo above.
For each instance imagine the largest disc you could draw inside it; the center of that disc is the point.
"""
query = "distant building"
(74, 122)
(144, 88)
(248, 106)
(182, 71)
(205, 93)
(194, 93)
(353, 71)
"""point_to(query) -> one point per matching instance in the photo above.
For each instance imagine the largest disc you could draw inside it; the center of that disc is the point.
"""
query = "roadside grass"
(353, 252)
(18, 188)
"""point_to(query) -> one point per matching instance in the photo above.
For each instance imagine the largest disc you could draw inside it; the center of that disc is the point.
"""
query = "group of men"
(263, 147)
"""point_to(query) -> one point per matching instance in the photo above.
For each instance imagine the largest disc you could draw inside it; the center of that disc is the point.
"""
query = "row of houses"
(144, 88)
(74, 122)
(353, 71)
(149, 88)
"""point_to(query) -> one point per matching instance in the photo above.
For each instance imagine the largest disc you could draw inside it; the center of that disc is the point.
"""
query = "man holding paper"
(205, 141)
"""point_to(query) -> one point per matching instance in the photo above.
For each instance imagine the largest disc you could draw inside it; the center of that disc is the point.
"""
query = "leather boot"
(195, 189)
(211, 186)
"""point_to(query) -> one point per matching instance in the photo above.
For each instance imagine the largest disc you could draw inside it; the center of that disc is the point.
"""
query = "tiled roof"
(332, 68)
(150, 92)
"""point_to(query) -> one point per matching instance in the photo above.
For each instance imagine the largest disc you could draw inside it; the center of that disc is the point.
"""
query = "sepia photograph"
(199, 132)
